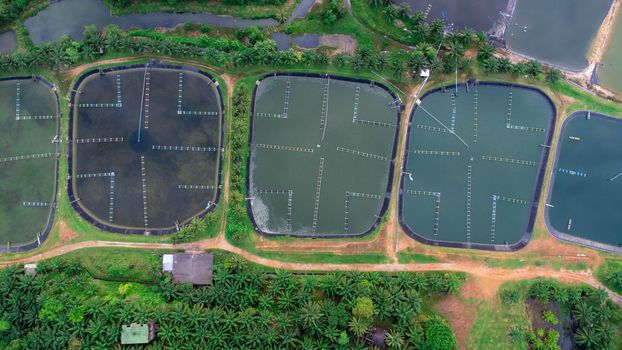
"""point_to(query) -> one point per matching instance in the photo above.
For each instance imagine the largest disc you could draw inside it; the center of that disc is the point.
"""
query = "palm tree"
(394, 340)
(377, 3)
(587, 338)
(584, 313)
(391, 12)
(358, 326)
(481, 38)
(403, 10)
(455, 51)
(417, 61)
(467, 36)
(310, 315)
(485, 51)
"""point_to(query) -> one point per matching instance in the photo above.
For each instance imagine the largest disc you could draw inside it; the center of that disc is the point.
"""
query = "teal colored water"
(586, 196)
(320, 155)
(27, 159)
(473, 161)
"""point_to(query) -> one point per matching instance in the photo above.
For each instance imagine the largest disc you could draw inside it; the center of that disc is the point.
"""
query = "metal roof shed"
(137, 333)
(196, 269)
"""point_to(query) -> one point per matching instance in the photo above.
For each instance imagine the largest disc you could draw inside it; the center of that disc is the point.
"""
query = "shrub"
(364, 308)
(438, 334)
(510, 295)
(549, 317)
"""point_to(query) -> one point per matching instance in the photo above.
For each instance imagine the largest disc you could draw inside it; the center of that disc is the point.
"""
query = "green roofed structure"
(137, 333)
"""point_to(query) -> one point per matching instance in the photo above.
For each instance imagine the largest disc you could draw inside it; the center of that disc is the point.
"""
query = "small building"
(138, 333)
(196, 269)
(167, 263)
(30, 269)
(424, 73)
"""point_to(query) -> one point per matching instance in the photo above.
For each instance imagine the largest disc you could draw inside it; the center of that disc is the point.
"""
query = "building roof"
(30, 269)
(135, 334)
(193, 268)
(167, 262)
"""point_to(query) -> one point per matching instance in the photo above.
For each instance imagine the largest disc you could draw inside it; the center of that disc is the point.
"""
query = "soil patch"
(460, 317)
(342, 43)
(66, 233)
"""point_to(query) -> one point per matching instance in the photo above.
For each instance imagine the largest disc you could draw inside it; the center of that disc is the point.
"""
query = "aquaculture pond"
(322, 152)
(559, 32)
(479, 15)
(585, 201)
(28, 161)
(71, 16)
(610, 72)
(8, 42)
(146, 145)
(474, 163)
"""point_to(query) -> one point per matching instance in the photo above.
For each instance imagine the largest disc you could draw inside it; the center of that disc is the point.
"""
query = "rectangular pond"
(71, 16)
(322, 153)
(559, 32)
(28, 161)
(146, 147)
(473, 165)
(480, 15)
(585, 199)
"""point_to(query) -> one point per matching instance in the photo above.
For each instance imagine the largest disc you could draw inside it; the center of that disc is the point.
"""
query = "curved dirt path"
(487, 280)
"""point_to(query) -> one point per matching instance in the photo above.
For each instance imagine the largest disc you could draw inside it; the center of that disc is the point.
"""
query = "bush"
(510, 295)
(438, 334)
(549, 317)
(364, 308)
(334, 11)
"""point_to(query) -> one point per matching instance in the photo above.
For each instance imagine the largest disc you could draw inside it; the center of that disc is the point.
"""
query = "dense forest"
(248, 307)
(11, 9)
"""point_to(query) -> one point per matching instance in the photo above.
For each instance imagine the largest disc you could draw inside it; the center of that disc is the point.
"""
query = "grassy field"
(374, 19)
(495, 319)
(120, 264)
(326, 258)
(409, 257)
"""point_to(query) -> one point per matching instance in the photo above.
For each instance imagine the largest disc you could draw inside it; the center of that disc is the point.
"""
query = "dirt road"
(487, 279)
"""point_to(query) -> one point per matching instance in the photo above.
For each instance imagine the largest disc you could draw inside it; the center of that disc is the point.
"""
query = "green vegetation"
(595, 320)
(252, 9)
(11, 10)
(325, 258)
(409, 257)
(610, 274)
(556, 264)
(239, 226)
(121, 265)
(63, 307)
(586, 101)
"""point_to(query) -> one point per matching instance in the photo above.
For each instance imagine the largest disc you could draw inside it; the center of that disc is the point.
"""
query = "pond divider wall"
(564, 236)
(536, 191)
(70, 189)
(46, 232)
(387, 196)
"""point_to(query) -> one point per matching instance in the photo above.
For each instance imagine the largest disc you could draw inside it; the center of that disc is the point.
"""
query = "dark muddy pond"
(307, 41)
(8, 42)
(282, 40)
(70, 17)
